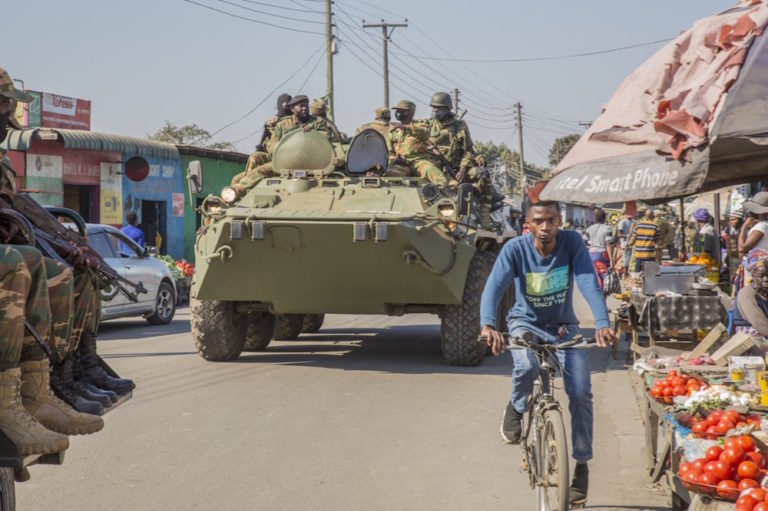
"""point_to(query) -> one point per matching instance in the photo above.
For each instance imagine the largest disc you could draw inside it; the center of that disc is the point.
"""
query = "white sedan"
(134, 263)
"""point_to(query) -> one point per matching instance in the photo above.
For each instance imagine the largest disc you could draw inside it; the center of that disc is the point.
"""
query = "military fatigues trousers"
(427, 170)
(255, 159)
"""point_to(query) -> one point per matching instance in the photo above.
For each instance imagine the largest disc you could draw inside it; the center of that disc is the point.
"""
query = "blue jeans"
(578, 385)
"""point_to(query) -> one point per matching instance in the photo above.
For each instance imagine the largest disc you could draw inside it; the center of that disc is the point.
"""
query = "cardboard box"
(707, 342)
(736, 345)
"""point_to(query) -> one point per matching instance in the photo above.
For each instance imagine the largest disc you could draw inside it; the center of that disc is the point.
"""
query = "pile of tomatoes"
(675, 385)
(187, 268)
(728, 471)
(720, 422)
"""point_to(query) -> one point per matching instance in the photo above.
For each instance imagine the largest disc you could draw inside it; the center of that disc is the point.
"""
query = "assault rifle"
(69, 247)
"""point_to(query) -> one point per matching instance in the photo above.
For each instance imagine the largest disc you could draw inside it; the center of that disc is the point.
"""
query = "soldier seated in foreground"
(407, 144)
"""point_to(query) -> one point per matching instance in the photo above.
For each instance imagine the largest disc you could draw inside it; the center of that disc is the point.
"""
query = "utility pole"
(385, 34)
(456, 100)
(330, 49)
(520, 141)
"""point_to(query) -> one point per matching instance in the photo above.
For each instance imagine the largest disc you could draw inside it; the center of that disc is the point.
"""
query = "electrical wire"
(253, 20)
(311, 72)
(383, 9)
(257, 11)
(268, 95)
(556, 57)
(277, 6)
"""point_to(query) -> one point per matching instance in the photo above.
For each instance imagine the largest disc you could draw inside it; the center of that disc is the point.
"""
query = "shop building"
(102, 176)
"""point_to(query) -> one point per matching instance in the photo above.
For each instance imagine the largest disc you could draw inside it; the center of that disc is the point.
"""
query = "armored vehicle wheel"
(7, 489)
(218, 331)
(312, 323)
(258, 332)
(460, 324)
(288, 326)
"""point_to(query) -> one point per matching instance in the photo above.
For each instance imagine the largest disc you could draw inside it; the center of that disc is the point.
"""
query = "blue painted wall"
(164, 179)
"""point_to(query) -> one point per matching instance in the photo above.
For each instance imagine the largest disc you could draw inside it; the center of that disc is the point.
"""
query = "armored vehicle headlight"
(446, 211)
(229, 194)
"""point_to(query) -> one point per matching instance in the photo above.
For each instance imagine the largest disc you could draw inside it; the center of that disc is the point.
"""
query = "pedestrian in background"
(133, 231)
(643, 240)
(705, 238)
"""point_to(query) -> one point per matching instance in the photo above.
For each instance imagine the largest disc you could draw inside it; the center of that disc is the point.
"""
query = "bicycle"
(545, 453)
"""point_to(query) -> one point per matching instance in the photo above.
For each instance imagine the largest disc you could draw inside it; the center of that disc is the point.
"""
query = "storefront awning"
(20, 140)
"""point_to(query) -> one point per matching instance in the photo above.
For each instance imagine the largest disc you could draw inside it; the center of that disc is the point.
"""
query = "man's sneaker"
(511, 425)
(578, 491)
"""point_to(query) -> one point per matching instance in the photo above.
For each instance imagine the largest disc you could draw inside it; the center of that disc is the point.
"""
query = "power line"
(278, 6)
(312, 71)
(381, 8)
(253, 20)
(267, 96)
(556, 57)
(257, 11)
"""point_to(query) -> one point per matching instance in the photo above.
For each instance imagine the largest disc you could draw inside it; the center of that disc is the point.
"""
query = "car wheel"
(165, 305)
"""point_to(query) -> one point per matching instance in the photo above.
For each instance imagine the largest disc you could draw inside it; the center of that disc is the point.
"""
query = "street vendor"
(705, 237)
(750, 311)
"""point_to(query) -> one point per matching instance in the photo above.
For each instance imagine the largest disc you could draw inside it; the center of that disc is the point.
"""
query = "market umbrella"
(692, 118)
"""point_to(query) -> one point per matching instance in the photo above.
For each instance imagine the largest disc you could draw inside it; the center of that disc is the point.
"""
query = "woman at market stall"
(753, 231)
(750, 311)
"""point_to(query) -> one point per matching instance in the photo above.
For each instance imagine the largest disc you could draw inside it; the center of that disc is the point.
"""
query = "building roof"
(213, 154)
(20, 140)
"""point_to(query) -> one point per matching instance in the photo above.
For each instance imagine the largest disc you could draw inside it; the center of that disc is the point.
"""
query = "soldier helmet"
(383, 114)
(404, 104)
(317, 107)
(9, 91)
(301, 98)
(441, 99)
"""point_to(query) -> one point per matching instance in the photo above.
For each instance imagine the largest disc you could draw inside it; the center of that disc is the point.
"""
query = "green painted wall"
(217, 173)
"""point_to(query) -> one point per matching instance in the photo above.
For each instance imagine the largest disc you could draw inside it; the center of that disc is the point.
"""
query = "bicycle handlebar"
(527, 341)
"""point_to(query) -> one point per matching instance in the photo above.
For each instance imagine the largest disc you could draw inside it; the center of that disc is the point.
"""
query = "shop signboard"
(111, 191)
(43, 179)
(65, 112)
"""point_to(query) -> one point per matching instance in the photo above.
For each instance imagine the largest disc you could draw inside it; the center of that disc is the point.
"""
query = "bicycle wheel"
(552, 487)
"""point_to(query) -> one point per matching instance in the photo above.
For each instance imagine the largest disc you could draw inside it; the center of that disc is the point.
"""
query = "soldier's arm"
(277, 134)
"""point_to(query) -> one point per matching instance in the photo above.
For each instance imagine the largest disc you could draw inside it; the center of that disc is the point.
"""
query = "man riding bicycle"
(543, 265)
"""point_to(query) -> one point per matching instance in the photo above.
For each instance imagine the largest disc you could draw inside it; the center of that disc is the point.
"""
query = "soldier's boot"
(113, 397)
(64, 385)
(79, 386)
(23, 429)
(50, 411)
(94, 373)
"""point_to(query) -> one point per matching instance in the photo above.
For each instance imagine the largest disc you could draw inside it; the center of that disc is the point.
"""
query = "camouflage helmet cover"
(404, 104)
(317, 107)
(383, 113)
(9, 91)
(441, 99)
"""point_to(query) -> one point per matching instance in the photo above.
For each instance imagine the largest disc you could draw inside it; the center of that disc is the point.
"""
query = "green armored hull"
(313, 240)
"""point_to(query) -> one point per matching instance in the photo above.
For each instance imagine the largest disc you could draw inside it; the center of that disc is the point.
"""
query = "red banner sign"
(64, 112)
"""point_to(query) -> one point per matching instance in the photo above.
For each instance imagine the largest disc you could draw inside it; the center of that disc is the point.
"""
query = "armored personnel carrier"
(314, 240)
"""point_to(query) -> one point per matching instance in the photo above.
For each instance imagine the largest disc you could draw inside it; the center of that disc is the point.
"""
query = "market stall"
(182, 272)
(704, 419)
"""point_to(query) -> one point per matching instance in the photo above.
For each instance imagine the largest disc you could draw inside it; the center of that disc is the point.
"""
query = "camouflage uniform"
(282, 128)
(452, 139)
(409, 141)
(380, 123)
(258, 157)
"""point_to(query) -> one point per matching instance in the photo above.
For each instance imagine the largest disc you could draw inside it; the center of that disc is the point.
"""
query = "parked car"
(134, 263)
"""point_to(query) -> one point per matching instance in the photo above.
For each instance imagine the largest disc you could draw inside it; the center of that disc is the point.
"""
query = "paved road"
(362, 415)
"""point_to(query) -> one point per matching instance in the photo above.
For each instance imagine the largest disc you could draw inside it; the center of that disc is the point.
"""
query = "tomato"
(758, 493)
(748, 470)
(730, 442)
(709, 479)
(678, 390)
(756, 457)
(723, 427)
(684, 469)
(712, 419)
(699, 463)
(713, 453)
(699, 429)
(732, 454)
(728, 489)
(746, 442)
(668, 391)
(721, 468)
(746, 500)
(748, 483)
(761, 506)
(713, 432)
(672, 373)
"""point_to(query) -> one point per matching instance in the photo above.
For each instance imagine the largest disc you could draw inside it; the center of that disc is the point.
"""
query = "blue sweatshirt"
(543, 285)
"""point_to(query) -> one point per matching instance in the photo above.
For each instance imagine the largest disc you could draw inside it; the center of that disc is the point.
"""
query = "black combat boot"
(92, 371)
(66, 388)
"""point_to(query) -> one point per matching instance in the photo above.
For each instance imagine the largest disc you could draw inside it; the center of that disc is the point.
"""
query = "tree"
(505, 165)
(189, 134)
(561, 147)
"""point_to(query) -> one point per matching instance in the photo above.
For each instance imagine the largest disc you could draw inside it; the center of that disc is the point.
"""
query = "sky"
(144, 62)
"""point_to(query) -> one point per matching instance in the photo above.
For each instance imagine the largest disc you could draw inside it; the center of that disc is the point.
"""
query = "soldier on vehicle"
(380, 122)
(75, 318)
(319, 109)
(300, 119)
(450, 136)
(407, 144)
(261, 156)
